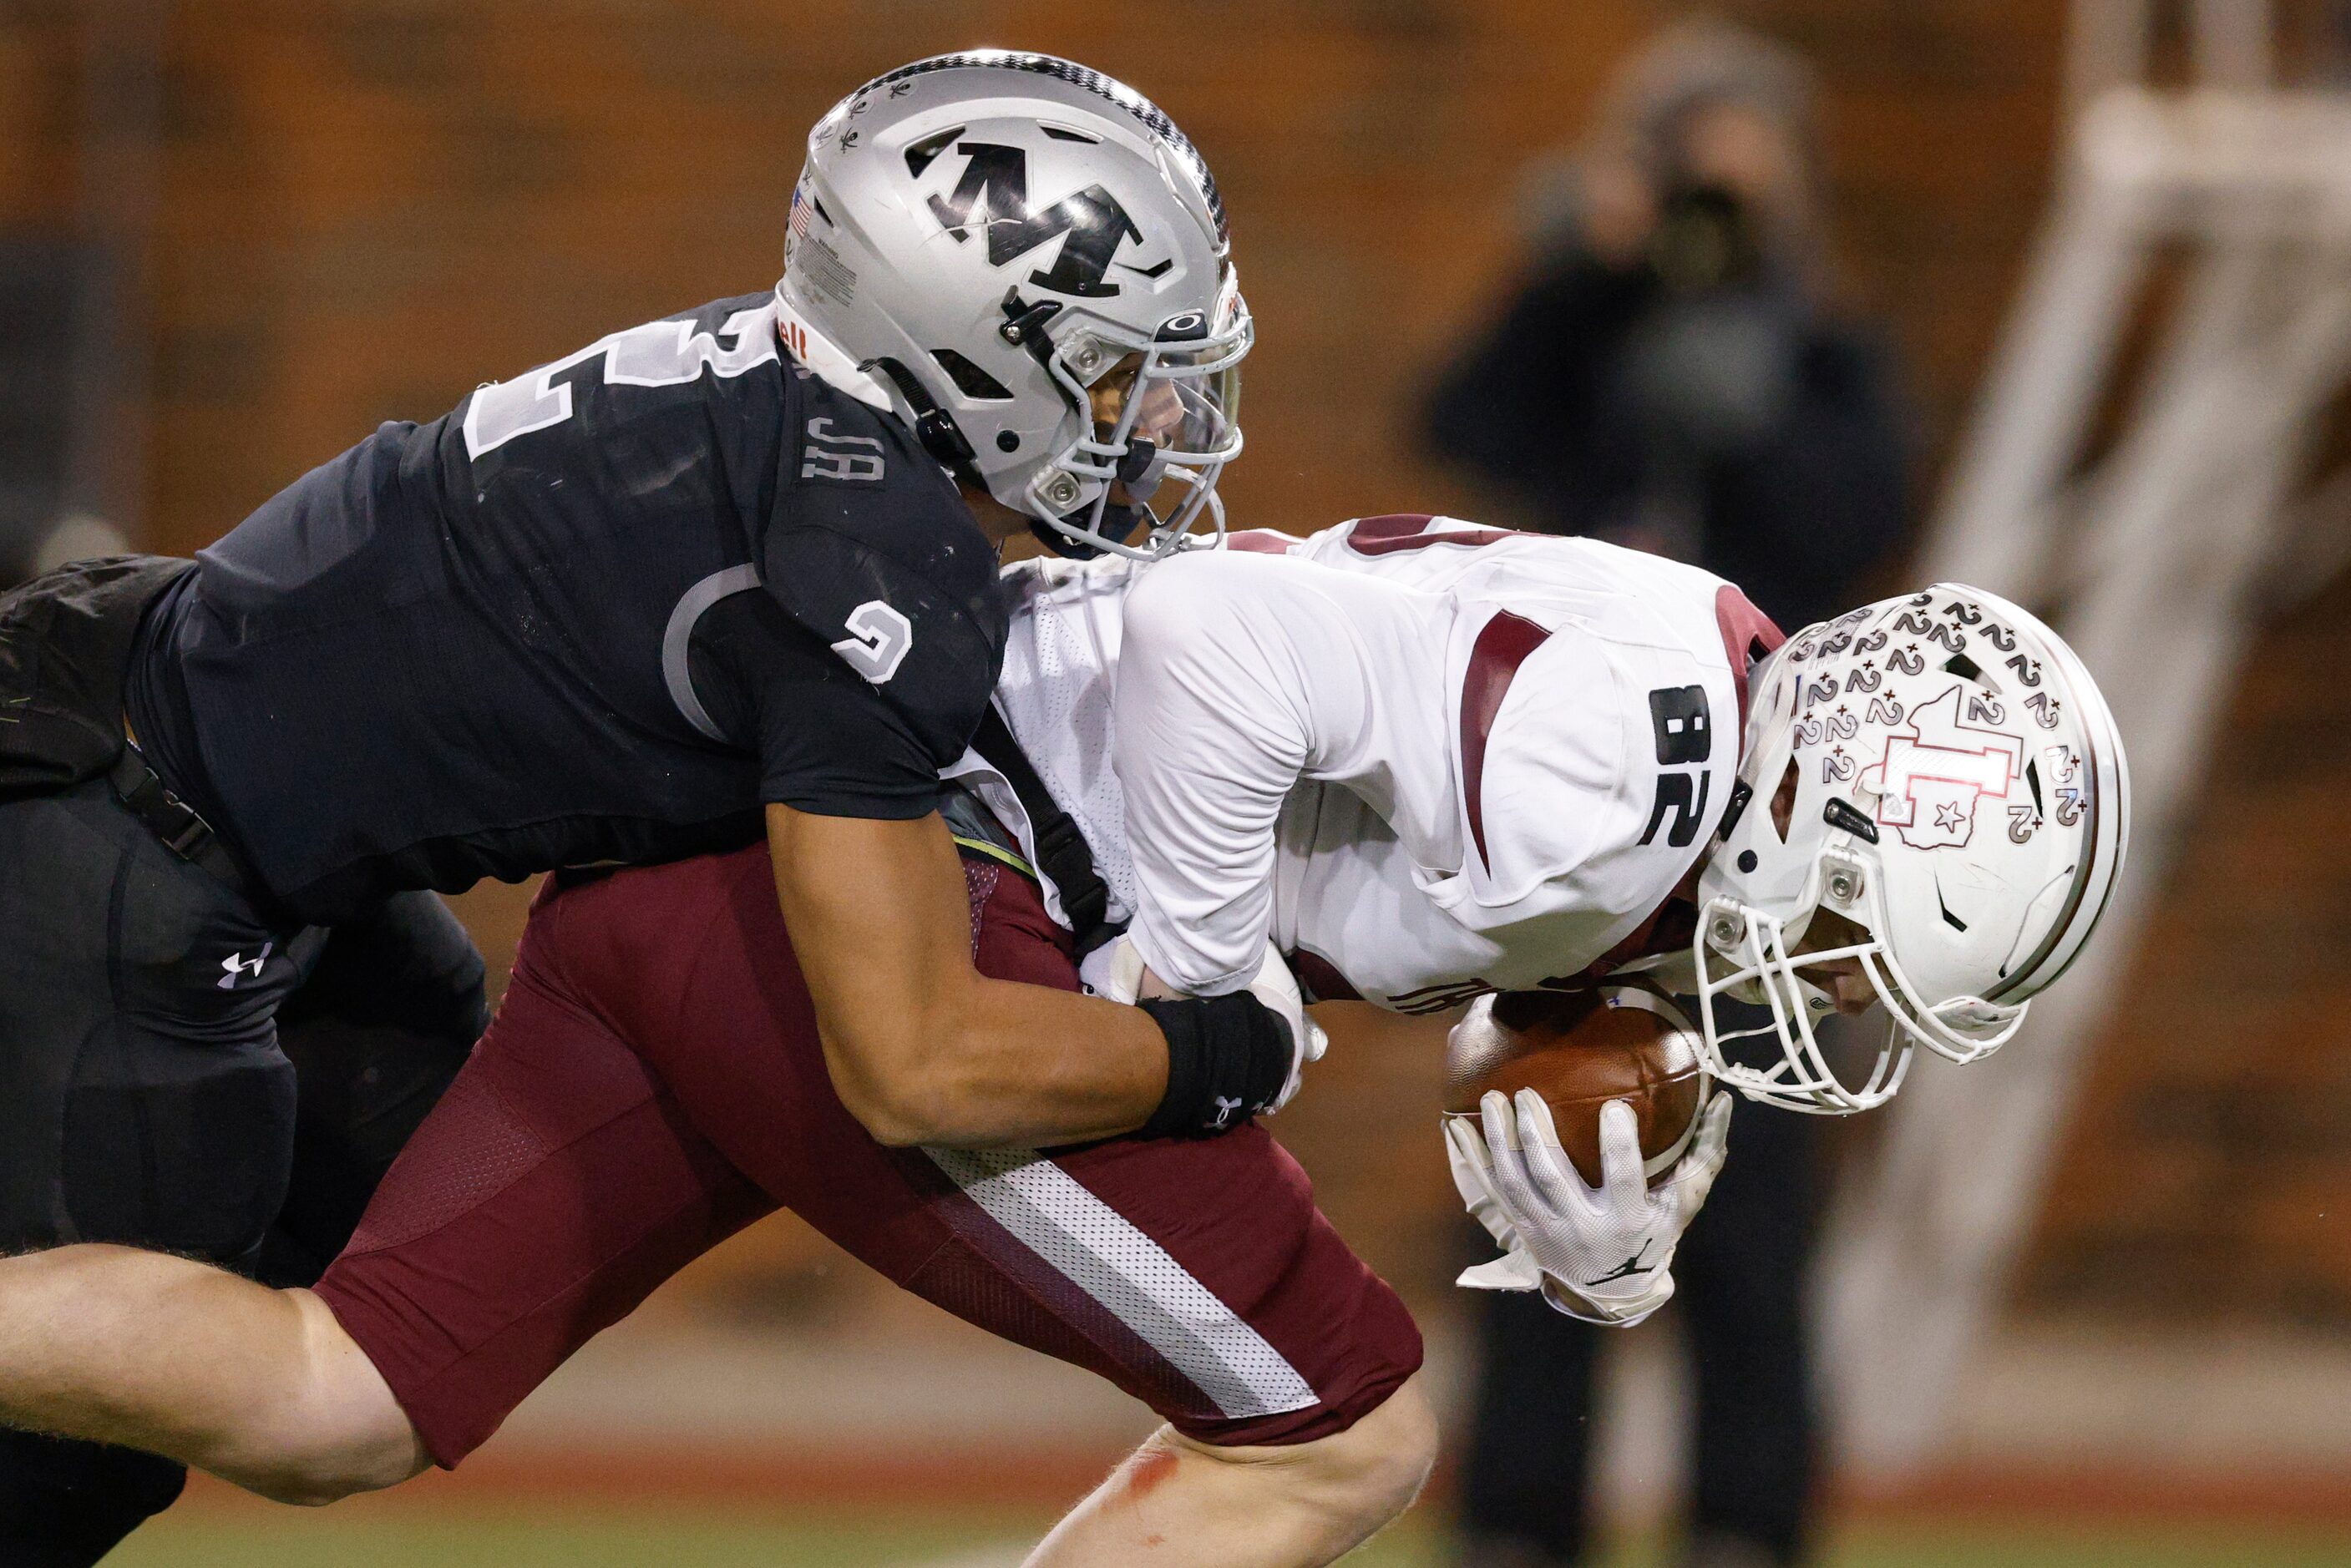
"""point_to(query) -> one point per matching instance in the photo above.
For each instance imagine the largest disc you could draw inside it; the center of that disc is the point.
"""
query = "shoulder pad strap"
(1061, 850)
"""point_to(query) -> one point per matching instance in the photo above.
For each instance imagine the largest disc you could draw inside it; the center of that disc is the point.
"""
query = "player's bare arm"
(922, 1048)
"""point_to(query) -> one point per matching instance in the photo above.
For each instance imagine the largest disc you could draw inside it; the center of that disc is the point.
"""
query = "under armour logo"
(236, 965)
(1224, 1109)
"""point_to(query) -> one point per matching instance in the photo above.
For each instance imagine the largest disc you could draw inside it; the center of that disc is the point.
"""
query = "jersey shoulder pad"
(682, 387)
(872, 549)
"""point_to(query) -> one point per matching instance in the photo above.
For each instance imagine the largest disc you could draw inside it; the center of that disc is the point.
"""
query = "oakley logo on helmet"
(995, 189)
(1930, 781)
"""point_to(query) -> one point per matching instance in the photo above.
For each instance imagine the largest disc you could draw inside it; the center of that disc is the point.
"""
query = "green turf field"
(359, 1536)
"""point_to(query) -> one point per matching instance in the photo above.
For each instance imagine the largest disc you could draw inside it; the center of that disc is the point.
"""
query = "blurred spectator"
(1669, 376)
(1672, 377)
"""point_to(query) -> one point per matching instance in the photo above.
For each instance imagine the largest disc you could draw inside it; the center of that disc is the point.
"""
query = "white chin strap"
(1962, 1029)
(1763, 973)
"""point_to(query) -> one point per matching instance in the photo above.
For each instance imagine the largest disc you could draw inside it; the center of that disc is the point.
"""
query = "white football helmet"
(1956, 791)
(1029, 262)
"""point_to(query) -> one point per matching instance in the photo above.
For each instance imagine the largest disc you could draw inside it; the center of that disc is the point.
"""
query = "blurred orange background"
(354, 211)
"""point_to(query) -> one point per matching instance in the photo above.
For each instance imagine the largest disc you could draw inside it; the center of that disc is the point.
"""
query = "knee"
(325, 1464)
(291, 1481)
(1366, 1476)
(315, 1474)
(1379, 1464)
(337, 1433)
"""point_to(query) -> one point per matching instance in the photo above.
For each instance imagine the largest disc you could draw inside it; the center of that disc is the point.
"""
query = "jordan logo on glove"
(1635, 1264)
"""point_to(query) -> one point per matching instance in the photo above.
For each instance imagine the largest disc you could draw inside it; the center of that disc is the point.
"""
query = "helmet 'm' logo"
(994, 191)
(1930, 780)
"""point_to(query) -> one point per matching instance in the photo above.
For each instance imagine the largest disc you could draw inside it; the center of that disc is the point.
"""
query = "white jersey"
(1426, 759)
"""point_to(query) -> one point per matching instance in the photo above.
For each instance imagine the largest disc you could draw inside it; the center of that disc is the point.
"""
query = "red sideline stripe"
(2106, 1494)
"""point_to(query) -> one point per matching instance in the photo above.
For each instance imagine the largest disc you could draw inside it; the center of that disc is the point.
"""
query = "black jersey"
(525, 635)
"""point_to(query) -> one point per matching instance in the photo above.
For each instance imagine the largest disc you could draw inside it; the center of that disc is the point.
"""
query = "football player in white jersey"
(1423, 760)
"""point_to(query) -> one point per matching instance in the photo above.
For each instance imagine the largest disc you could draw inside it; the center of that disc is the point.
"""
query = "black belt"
(180, 826)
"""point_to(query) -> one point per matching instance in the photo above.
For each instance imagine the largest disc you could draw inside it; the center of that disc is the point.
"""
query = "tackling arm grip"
(1229, 1058)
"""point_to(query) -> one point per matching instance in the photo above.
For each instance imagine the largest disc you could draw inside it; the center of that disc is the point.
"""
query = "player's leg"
(1279, 1337)
(1182, 1502)
(175, 1356)
(376, 1033)
(550, 1189)
(1743, 1269)
(143, 1099)
(1285, 1456)
(1196, 1275)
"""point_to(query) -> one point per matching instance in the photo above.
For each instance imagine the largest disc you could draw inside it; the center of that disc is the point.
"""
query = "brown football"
(1579, 1050)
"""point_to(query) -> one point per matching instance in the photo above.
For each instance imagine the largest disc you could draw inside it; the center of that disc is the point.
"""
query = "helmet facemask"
(1765, 969)
(1144, 410)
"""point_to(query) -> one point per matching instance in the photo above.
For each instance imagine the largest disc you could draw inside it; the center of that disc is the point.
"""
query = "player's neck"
(996, 520)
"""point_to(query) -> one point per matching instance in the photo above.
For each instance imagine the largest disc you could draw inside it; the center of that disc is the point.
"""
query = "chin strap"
(934, 426)
(1060, 544)
(1119, 522)
(1062, 853)
(946, 443)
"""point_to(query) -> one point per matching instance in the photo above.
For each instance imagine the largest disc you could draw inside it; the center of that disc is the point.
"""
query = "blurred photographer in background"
(1671, 376)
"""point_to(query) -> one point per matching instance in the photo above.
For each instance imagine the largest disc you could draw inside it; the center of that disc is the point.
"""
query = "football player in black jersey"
(727, 573)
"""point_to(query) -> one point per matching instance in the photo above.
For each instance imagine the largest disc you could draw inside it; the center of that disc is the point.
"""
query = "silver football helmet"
(1029, 262)
(1949, 784)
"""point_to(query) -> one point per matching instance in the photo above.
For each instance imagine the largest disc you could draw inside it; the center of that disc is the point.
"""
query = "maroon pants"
(653, 1083)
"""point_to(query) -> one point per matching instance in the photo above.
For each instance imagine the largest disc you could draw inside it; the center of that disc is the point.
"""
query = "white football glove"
(1123, 973)
(1605, 1255)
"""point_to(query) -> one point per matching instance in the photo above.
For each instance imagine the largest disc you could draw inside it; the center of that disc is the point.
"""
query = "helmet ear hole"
(1783, 801)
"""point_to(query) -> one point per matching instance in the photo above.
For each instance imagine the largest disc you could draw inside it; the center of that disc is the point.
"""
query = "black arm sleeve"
(826, 742)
